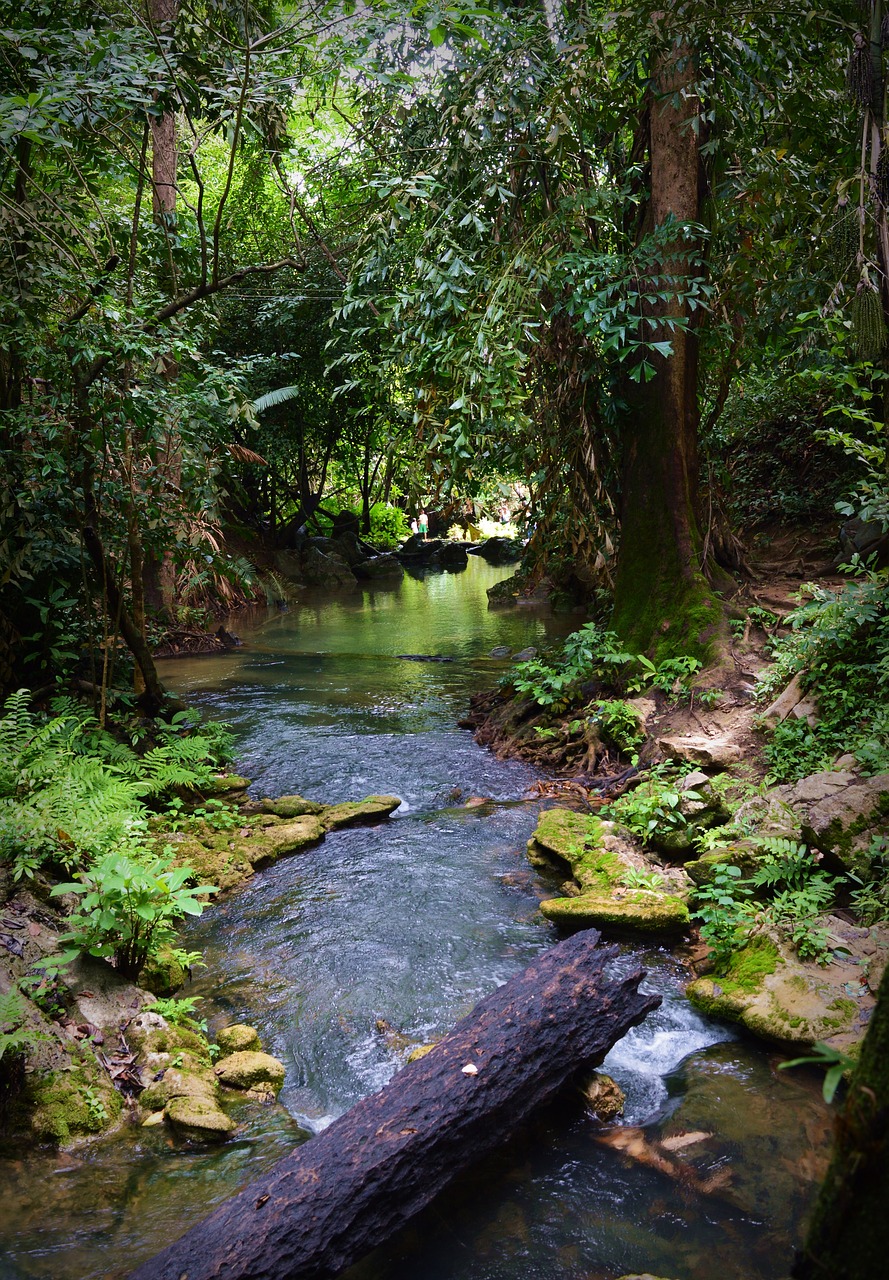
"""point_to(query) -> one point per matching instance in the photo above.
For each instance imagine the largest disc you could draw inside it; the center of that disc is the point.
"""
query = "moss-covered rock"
(358, 812)
(237, 1038)
(69, 1104)
(292, 807)
(199, 1117)
(574, 842)
(247, 1070)
(604, 865)
(770, 991)
(420, 1051)
(228, 784)
(223, 863)
(604, 1096)
(177, 1083)
(267, 843)
(641, 910)
(163, 973)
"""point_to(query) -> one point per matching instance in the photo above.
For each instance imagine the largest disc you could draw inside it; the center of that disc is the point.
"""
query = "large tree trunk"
(354, 1185)
(849, 1234)
(663, 602)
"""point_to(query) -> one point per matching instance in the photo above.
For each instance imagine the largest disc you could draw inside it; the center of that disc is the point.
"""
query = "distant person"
(504, 514)
(423, 520)
(415, 528)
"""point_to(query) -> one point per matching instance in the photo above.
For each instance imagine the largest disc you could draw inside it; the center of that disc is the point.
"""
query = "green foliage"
(179, 1011)
(70, 791)
(591, 654)
(724, 912)
(839, 642)
(653, 808)
(796, 893)
(129, 907)
(835, 1064)
(633, 878)
(619, 725)
(17, 1039)
(388, 526)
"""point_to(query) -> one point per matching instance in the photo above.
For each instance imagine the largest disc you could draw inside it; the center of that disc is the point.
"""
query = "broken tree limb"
(358, 1182)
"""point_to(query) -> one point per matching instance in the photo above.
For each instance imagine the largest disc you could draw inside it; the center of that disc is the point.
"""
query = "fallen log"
(358, 1182)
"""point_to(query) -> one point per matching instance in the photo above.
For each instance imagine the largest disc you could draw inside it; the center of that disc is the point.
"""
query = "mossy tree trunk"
(664, 603)
(848, 1237)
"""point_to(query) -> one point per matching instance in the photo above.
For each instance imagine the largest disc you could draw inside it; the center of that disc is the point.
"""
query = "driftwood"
(353, 1186)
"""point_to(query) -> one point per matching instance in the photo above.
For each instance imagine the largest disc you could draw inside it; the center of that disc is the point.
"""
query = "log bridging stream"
(358, 1182)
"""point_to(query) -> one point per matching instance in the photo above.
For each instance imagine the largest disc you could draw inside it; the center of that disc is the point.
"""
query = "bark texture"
(354, 1185)
(663, 602)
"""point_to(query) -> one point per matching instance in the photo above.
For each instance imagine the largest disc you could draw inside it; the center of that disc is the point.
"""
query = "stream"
(412, 922)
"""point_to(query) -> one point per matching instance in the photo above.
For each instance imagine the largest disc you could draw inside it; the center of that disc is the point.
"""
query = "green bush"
(839, 644)
(388, 526)
(129, 907)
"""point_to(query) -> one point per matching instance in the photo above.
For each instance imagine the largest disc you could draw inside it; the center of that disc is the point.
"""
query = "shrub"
(129, 907)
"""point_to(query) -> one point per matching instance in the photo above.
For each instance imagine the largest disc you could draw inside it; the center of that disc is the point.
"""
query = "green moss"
(746, 969)
(70, 1104)
(162, 974)
(574, 841)
(292, 806)
(636, 910)
(357, 812)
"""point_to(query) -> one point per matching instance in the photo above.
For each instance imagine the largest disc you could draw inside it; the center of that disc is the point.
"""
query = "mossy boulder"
(249, 1069)
(604, 1096)
(358, 812)
(227, 784)
(64, 1105)
(743, 853)
(177, 1083)
(574, 842)
(222, 861)
(292, 807)
(238, 1038)
(163, 973)
(769, 990)
(268, 843)
(603, 865)
(641, 910)
(198, 1117)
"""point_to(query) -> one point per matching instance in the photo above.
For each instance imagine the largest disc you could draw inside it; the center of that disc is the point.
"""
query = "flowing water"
(409, 924)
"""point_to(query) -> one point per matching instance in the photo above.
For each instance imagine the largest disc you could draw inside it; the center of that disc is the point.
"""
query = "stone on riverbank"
(291, 806)
(237, 1038)
(197, 1117)
(769, 990)
(605, 868)
(354, 813)
(249, 1069)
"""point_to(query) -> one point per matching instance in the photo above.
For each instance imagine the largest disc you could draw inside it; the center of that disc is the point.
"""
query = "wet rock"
(499, 550)
(383, 566)
(769, 990)
(606, 867)
(325, 569)
(198, 1117)
(291, 806)
(268, 843)
(525, 655)
(604, 1096)
(450, 555)
(247, 1070)
(639, 910)
(229, 784)
(358, 812)
(176, 1083)
(500, 651)
(237, 1038)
